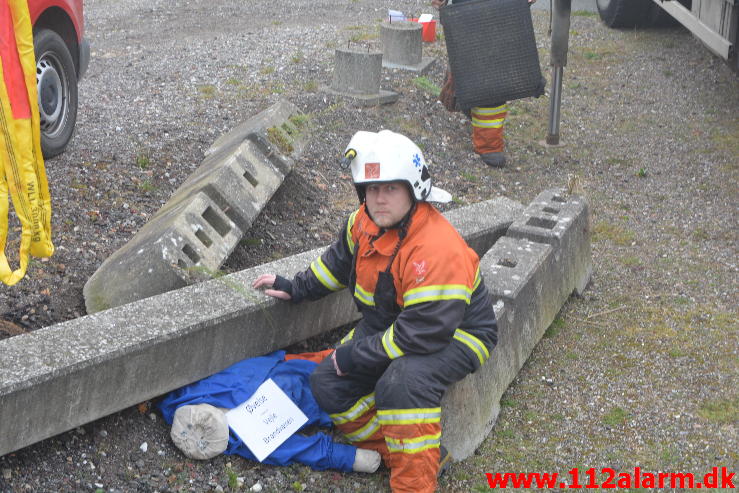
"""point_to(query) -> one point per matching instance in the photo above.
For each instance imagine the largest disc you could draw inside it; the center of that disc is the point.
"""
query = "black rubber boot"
(494, 159)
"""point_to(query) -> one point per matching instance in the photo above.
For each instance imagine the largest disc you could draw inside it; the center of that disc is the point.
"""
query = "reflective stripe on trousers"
(487, 128)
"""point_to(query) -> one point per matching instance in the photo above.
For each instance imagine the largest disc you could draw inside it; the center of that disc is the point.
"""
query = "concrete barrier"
(531, 271)
(357, 73)
(60, 377)
(196, 230)
(402, 47)
(564, 222)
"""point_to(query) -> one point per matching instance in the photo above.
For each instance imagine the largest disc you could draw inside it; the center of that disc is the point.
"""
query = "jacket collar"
(385, 243)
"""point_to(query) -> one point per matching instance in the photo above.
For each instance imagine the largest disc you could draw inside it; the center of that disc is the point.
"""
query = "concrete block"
(357, 74)
(520, 276)
(530, 272)
(471, 407)
(283, 115)
(201, 224)
(483, 223)
(402, 46)
(60, 377)
(562, 221)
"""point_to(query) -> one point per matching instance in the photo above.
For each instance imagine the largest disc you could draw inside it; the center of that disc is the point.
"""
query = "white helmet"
(386, 156)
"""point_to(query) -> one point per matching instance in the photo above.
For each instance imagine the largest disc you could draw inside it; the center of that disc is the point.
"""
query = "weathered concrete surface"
(201, 224)
(60, 377)
(563, 222)
(530, 272)
(357, 73)
(402, 47)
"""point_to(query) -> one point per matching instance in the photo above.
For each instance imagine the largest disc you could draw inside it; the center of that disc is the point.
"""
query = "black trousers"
(408, 382)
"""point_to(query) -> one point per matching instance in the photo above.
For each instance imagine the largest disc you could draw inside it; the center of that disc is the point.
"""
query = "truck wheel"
(623, 13)
(56, 81)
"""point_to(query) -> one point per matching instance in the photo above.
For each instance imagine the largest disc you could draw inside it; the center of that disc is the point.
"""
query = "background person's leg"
(487, 133)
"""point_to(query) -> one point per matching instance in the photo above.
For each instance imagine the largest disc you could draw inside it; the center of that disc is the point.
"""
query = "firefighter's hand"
(532, 1)
(268, 281)
(438, 3)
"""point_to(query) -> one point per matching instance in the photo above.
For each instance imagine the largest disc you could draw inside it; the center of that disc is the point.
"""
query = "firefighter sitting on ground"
(427, 319)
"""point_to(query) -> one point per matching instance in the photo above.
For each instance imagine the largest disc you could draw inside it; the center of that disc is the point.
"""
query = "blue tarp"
(239, 381)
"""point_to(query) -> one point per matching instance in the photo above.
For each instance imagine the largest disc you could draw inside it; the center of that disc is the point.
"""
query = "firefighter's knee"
(321, 388)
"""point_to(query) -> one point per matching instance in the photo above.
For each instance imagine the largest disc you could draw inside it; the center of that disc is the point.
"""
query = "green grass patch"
(725, 137)
(583, 13)
(207, 91)
(300, 120)
(614, 233)
(147, 186)
(505, 434)
(250, 242)
(631, 261)
(677, 352)
(233, 482)
(508, 402)
(615, 417)
(279, 138)
(427, 85)
(142, 160)
(469, 176)
(363, 36)
(721, 411)
(701, 234)
(557, 325)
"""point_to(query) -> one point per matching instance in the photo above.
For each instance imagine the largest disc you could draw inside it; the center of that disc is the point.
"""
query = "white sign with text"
(266, 420)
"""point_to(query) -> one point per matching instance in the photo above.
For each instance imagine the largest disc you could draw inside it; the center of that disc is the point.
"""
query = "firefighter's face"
(387, 203)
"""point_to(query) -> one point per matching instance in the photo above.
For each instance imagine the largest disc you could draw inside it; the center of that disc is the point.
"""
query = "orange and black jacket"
(416, 296)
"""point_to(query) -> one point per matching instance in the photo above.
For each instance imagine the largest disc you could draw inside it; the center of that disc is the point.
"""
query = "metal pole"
(555, 100)
(560, 39)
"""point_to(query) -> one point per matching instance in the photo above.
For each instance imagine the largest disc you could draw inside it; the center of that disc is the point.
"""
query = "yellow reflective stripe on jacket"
(348, 337)
(473, 343)
(349, 226)
(325, 276)
(392, 349)
(409, 416)
(497, 123)
(364, 296)
(363, 405)
(413, 445)
(490, 111)
(366, 431)
(437, 293)
(478, 279)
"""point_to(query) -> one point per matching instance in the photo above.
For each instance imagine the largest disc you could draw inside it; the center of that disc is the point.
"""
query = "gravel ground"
(641, 371)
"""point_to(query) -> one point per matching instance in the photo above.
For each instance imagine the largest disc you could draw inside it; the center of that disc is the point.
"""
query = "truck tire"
(56, 81)
(624, 13)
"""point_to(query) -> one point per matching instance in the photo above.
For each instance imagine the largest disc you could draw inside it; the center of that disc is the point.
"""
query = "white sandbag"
(366, 460)
(200, 431)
